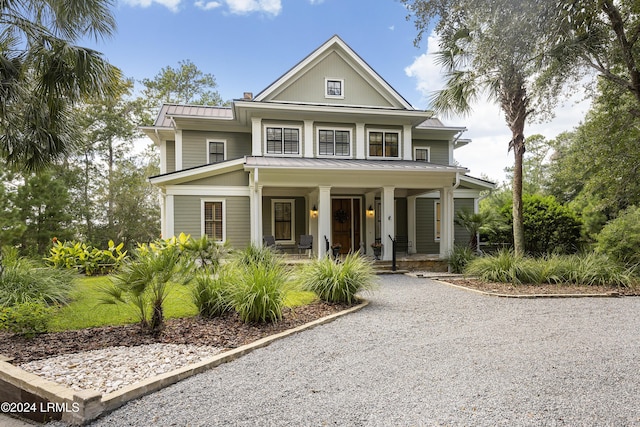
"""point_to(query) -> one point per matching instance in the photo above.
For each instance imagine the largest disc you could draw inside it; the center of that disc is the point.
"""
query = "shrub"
(459, 257)
(27, 318)
(23, 281)
(146, 280)
(549, 227)
(620, 238)
(338, 282)
(206, 252)
(259, 282)
(85, 258)
(589, 269)
(211, 294)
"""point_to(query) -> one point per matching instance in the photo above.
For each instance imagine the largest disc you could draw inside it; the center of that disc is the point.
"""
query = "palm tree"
(43, 74)
(491, 48)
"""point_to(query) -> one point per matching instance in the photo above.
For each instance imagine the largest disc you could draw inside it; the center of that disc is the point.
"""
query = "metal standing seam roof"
(345, 164)
(196, 111)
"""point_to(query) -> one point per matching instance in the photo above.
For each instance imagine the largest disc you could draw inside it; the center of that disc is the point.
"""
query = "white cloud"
(487, 154)
(316, 1)
(393, 27)
(172, 5)
(210, 5)
(243, 7)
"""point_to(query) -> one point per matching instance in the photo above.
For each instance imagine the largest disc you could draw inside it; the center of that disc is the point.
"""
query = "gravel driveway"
(425, 354)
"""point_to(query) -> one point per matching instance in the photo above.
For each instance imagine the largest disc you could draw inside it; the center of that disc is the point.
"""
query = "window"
(383, 144)
(283, 140)
(334, 142)
(438, 220)
(216, 151)
(334, 88)
(213, 220)
(421, 154)
(283, 213)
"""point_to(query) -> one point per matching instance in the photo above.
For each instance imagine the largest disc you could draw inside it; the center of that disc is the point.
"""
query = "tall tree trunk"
(518, 224)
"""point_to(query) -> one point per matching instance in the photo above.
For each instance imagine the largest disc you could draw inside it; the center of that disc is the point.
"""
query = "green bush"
(259, 282)
(620, 238)
(23, 281)
(549, 227)
(589, 269)
(459, 257)
(338, 282)
(211, 294)
(85, 258)
(27, 319)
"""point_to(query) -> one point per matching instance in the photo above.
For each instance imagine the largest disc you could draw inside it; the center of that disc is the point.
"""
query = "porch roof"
(346, 164)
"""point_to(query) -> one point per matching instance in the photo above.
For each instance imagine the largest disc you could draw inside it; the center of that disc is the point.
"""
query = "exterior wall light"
(370, 212)
(314, 212)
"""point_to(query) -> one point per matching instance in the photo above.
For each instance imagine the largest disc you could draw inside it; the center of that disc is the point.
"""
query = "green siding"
(462, 236)
(310, 87)
(171, 156)
(425, 227)
(195, 150)
(237, 178)
(438, 150)
(188, 218)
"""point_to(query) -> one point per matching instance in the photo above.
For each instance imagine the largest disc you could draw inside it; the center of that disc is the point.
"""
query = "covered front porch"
(346, 202)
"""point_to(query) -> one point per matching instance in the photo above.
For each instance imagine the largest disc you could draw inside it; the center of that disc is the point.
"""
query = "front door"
(345, 224)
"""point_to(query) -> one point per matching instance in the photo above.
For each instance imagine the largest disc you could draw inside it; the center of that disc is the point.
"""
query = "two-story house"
(329, 149)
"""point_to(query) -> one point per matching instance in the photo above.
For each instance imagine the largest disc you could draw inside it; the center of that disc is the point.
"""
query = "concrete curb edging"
(80, 407)
(530, 296)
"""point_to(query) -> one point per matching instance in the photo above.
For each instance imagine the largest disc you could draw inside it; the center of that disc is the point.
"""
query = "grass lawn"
(86, 311)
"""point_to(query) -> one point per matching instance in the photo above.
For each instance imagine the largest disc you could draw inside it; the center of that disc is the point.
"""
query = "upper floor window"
(383, 144)
(283, 140)
(216, 151)
(333, 142)
(334, 88)
(421, 154)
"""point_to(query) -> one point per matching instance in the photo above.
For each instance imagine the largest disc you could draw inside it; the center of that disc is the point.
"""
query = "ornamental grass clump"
(258, 282)
(211, 294)
(24, 281)
(338, 282)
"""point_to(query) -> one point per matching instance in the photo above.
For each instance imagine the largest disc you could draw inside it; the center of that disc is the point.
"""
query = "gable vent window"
(334, 142)
(334, 88)
(283, 141)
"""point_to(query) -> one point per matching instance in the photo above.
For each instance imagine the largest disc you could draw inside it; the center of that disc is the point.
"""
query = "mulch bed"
(545, 289)
(227, 332)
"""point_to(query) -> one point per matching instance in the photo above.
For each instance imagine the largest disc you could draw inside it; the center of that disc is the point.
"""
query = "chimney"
(248, 96)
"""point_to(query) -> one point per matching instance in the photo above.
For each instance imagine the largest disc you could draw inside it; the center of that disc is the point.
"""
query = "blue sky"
(247, 44)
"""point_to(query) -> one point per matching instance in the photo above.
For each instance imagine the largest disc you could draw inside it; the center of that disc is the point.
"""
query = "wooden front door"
(345, 224)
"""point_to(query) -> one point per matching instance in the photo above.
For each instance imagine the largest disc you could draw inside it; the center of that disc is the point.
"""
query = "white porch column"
(312, 200)
(256, 136)
(411, 224)
(308, 139)
(178, 143)
(407, 146)
(169, 217)
(388, 222)
(370, 222)
(446, 221)
(255, 208)
(360, 141)
(324, 219)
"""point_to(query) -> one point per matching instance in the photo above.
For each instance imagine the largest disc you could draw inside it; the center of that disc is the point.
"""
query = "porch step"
(384, 267)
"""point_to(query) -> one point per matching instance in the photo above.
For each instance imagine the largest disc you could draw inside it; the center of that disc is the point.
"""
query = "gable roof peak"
(319, 52)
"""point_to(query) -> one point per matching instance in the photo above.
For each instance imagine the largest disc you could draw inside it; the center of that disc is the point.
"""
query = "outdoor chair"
(306, 243)
(269, 242)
